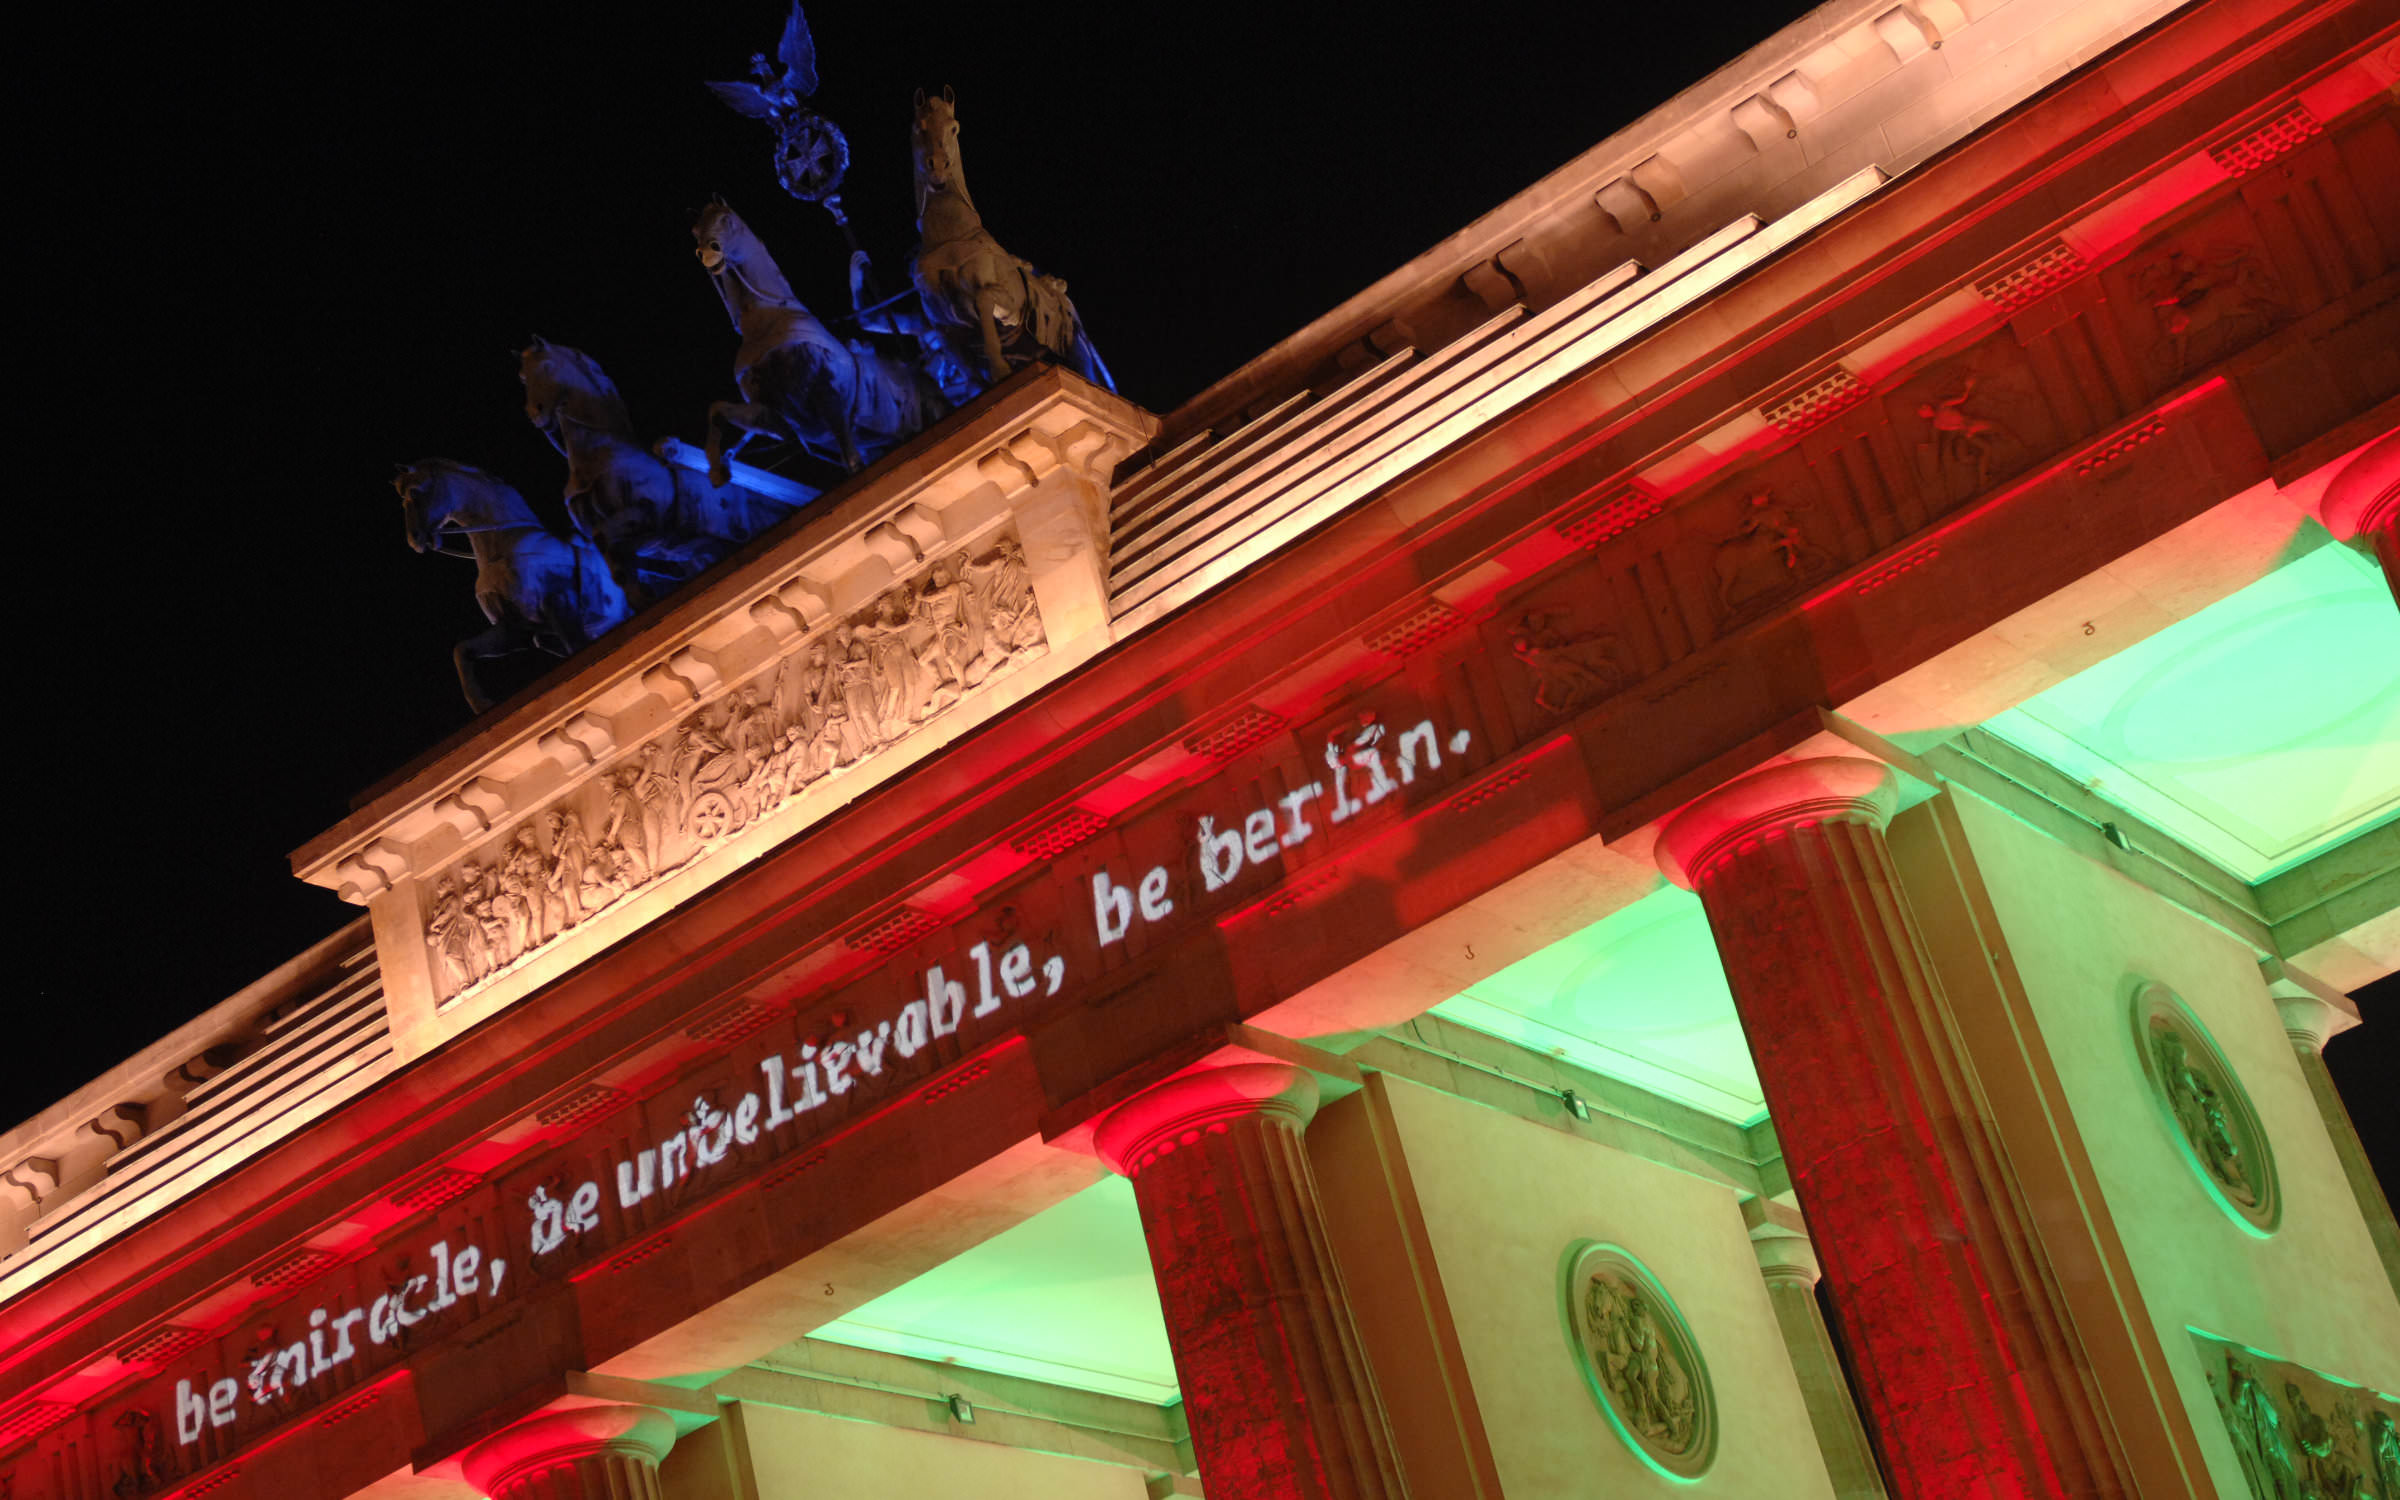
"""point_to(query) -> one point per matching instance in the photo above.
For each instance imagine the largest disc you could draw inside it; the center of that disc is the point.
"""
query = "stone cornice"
(1852, 82)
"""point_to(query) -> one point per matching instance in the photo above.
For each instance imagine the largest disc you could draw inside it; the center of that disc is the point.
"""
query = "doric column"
(581, 1453)
(1788, 1263)
(1275, 1381)
(2310, 1021)
(2362, 502)
(1843, 1016)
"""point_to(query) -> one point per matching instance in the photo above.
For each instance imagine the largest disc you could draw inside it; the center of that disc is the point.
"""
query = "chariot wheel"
(711, 817)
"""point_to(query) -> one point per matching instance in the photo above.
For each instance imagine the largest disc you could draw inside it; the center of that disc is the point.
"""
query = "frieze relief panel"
(2299, 1434)
(880, 626)
(838, 699)
(2074, 365)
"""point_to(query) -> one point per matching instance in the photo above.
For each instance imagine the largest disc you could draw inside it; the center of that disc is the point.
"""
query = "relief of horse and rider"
(835, 393)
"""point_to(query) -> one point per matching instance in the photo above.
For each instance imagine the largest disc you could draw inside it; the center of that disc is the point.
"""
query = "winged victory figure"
(811, 153)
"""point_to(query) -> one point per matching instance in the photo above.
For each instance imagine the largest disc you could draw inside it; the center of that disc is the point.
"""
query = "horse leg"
(499, 639)
(845, 429)
(987, 308)
(748, 421)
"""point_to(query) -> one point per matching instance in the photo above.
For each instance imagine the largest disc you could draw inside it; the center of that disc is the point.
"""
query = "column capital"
(1780, 1241)
(578, 1435)
(1831, 789)
(2311, 1015)
(1151, 1124)
(2365, 496)
(2309, 1018)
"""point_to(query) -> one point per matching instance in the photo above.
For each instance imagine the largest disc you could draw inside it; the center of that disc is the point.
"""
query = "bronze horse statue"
(973, 290)
(657, 523)
(538, 589)
(841, 398)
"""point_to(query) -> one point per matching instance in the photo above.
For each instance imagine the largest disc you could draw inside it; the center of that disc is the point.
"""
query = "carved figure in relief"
(628, 825)
(819, 740)
(140, 1473)
(1004, 584)
(1962, 437)
(606, 876)
(977, 295)
(898, 679)
(2208, 305)
(2325, 1455)
(442, 913)
(857, 673)
(2383, 1443)
(2258, 1434)
(2200, 1112)
(539, 590)
(570, 852)
(1766, 554)
(943, 605)
(1648, 1385)
(521, 882)
(1568, 670)
(845, 399)
(476, 925)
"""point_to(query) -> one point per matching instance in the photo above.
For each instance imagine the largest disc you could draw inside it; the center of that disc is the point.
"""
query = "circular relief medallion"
(1638, 1357)
(2207, 1106)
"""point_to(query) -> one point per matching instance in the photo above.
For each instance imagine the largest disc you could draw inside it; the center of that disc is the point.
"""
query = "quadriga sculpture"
(842, 398)
(979, 293)
(657, 523)
(537, 588)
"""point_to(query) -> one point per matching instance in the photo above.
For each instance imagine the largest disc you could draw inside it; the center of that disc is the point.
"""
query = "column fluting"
(1864, 1085)
(1274, 1378)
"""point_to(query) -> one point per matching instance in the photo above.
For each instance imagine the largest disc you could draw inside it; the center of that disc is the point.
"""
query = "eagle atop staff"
(811, 153)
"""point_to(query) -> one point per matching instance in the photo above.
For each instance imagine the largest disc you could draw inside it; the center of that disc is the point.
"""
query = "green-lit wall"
(2080, 938)
(805, 1456)
(1501, 1198)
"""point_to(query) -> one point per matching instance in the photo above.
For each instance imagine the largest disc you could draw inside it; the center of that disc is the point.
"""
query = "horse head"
(436, 493)
(730, 252)
(559, 379)
(933, 143)
(427, 500)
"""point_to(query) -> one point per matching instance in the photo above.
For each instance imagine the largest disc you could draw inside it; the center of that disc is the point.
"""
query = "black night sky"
(269, 258)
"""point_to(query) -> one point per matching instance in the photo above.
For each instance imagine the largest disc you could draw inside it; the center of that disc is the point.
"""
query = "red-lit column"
(1842, 1012)
(2363, 502)
(1275, 1383)
(582, 1453)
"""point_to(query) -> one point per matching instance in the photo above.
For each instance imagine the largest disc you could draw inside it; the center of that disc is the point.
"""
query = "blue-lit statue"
(976, 293)
(845, 399)
(656, 522)
(537, 588)
(811, 153)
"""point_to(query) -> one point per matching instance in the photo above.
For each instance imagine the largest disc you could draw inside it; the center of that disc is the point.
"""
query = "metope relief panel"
(2203, 1101)
(1970, 422)
(1639, 1358)
(839, 698)
(2298, 1434)
(2188, 299)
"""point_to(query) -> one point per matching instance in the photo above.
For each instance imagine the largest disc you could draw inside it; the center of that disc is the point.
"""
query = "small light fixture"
(1575, 1104)
(962, 1410)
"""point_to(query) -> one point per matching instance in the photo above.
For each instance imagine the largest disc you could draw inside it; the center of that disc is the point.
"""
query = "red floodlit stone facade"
(1677, 515)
